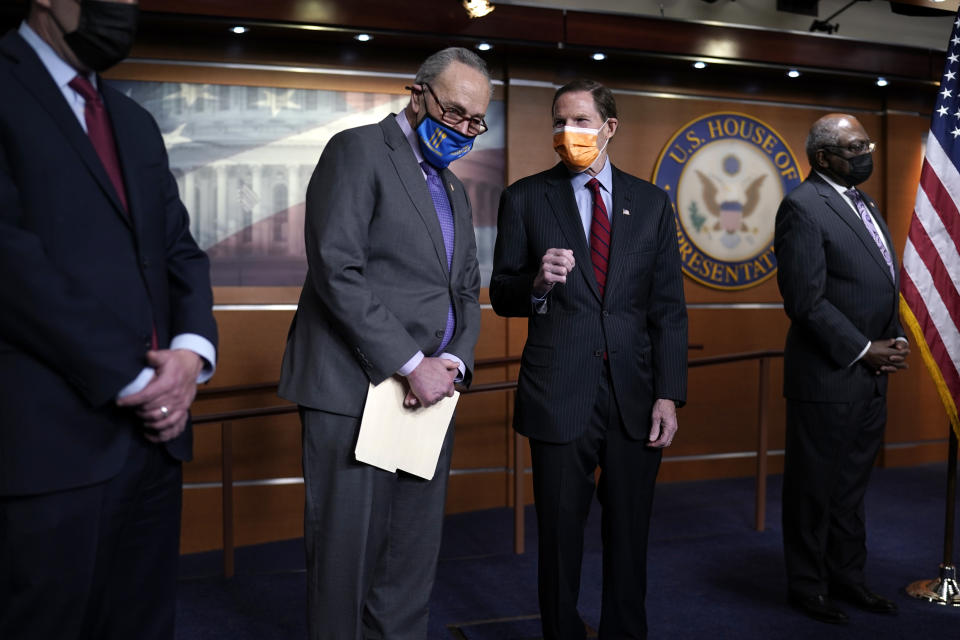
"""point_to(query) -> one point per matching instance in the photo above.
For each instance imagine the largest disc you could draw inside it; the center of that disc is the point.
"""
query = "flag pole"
(944, 590)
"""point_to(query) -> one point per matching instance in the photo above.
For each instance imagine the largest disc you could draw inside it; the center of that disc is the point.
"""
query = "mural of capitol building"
(243, 156)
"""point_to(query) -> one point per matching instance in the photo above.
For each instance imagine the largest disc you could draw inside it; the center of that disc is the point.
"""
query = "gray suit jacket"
(837, 291)
(377, 288)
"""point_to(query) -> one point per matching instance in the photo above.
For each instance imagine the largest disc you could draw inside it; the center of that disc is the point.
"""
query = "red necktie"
(100, 133)
(599, 236)
(101, 136)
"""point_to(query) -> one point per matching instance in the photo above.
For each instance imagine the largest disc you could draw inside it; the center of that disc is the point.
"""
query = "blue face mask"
(441, 145)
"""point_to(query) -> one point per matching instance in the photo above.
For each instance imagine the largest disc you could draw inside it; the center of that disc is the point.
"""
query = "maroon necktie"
(599, 236)
(100, 133)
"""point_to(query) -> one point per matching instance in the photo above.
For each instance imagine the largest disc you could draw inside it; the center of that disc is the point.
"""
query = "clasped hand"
(886, 356)
(431, 381)
(173, 387)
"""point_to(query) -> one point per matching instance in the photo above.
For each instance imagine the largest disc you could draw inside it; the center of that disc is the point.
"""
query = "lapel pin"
(626, 212)
(451, 186)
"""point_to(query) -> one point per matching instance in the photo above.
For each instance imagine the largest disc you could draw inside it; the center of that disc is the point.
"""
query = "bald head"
(838, 147)
(829, 131)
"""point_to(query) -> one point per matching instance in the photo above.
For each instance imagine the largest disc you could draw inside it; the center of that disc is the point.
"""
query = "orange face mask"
(577, 146)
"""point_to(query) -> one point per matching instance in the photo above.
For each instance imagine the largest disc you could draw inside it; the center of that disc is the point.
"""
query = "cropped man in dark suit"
(106, 329)
(838, 275)
(391, 290)
(589, 254)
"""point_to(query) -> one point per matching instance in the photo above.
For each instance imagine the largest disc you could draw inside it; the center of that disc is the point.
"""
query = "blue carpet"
(710, 574)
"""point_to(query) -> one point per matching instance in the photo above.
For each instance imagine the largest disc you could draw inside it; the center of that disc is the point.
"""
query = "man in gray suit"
(838, 275)
(391, 290)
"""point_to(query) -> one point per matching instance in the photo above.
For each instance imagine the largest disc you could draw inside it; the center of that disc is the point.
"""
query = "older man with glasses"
(391, 290)
(838, 275)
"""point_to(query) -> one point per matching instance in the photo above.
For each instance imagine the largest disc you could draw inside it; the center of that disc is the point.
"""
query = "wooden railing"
(227, 418)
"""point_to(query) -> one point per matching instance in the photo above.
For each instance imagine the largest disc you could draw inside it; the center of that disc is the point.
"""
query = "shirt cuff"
(142, 380)
(189, 341)
(411, 364)
(460, 366)
(862, 353)
(200, 346)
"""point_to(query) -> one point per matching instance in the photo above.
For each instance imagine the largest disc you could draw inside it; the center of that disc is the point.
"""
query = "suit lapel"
(564, 206)
(413, 182)
(621, 228)
(125, 136)
(34, 77)
(836, 202)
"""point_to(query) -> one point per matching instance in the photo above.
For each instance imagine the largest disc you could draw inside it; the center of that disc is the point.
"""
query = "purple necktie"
(861, 206)
(445, 214)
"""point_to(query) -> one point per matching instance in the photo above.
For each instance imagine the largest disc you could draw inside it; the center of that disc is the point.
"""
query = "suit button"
(605, 313)
(146, 263)
(597, 353)
(439, 334)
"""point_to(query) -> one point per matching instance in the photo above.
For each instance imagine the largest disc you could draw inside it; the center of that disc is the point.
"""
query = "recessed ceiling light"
(699, 64)
(239, 30)
(793, 73)
(484, 46)
(599, 56)
(363, 37)
(882, 82)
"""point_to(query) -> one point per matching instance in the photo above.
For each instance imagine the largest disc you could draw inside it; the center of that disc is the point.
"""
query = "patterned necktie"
(101, 134)
(861, 206)
(445, 214)
(599, 236)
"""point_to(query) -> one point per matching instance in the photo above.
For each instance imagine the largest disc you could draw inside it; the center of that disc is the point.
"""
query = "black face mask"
(105, 33)
(861, 167)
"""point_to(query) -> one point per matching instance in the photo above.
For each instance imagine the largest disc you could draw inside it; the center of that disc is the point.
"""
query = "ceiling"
(869, 20)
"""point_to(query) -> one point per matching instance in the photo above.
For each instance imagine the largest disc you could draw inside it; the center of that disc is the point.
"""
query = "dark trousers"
(372, 537)
(96, 562)
(563, 484)
(830, 452)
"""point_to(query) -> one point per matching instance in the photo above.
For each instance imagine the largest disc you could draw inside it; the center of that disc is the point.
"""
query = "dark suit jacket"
(837, 291)
(377, 288)
(641, 323)
(83, 282)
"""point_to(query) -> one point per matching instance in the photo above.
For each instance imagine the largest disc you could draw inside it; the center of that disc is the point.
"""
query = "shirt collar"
(61, 72)
(839, 187)
(605, 177)
(410, 134)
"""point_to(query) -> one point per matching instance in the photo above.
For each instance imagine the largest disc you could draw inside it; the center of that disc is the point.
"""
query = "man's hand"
(430, 381)
(886, 356)
(164, 402)
(663, 423)
(554, 267)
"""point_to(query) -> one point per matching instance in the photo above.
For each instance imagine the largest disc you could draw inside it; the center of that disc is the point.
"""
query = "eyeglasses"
(857, 148)
(454, 116)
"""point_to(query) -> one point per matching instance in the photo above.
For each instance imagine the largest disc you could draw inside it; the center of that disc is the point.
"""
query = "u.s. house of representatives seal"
(726, 173)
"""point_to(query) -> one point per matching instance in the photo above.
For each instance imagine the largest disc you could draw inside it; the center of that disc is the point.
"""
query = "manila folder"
(394, 437)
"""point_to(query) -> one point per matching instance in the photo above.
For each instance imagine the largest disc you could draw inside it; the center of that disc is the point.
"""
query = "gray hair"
(439, 61)
(825, 132)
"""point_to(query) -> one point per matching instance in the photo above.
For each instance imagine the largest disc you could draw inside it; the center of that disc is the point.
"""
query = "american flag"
(930, 274)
